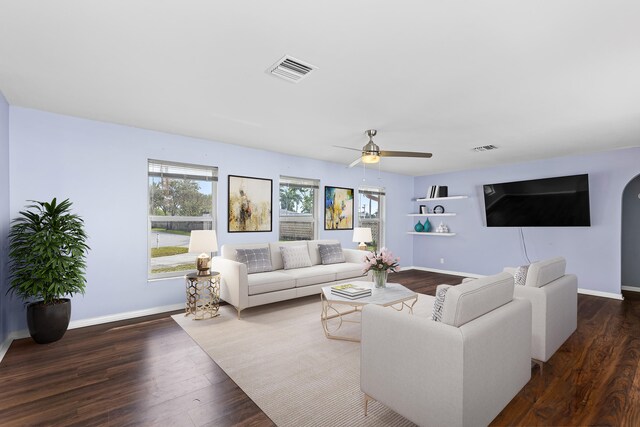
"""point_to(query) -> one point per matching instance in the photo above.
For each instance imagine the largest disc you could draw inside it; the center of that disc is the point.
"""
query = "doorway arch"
(630, 239)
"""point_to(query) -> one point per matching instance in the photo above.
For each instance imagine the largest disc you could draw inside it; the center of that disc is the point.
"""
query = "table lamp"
(204, 241)
(362, 235)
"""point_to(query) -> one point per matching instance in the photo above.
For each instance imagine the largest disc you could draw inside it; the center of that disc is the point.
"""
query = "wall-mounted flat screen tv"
(549, 202)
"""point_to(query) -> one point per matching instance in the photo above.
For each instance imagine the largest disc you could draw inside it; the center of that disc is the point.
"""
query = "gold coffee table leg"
(325, 316)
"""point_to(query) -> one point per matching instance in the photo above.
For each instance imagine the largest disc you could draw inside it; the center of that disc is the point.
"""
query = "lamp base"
(362, 246)
(203, 264)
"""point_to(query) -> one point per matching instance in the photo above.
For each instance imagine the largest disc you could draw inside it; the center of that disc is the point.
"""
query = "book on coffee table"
(350, 291)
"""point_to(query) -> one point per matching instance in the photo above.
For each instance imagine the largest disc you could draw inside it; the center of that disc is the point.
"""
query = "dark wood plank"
(148, 371)
(145, 371)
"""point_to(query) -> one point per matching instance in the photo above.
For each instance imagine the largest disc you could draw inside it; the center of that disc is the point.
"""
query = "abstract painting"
(249, 204)
(338, 208)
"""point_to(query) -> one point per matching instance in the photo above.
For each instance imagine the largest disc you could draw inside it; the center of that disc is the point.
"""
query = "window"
(298, 201)
(181, 199)
(371, 214)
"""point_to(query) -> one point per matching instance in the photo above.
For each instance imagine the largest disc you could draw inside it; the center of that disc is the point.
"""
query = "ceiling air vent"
(291, 69)
(485, 148)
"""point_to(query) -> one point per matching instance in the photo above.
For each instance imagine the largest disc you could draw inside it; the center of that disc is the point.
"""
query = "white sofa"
(554, 299)
(460, 371)
(243, 290)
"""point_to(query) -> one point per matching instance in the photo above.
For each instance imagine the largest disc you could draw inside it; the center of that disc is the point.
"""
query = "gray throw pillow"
(331, 253)
(257, 260)
(520, 275)
(295, 257)
(438, 305)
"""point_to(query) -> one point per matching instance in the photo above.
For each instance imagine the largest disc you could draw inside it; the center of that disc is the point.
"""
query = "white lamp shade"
(203, 241)
(362, 234)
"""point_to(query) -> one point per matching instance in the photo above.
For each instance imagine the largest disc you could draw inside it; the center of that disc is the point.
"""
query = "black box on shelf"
(443, 191)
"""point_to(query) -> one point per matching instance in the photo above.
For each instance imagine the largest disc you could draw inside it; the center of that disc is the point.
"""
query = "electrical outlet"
(441, 260)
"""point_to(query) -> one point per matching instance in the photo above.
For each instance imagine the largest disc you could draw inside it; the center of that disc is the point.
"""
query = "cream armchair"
(461, 371)
(554, 300)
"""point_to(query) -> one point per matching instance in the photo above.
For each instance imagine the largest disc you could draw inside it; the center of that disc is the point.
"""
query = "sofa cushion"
(543, 272)
(311, 275)
(257, 260)
(314, 252)
(276, 253)
(331, 254)
(346, 270)
(228, 250)
(438, 303)
(269, 281)
(295, 257)
(471, 300)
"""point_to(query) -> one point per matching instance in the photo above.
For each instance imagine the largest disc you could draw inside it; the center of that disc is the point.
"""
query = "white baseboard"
(630, 288)
(600, 294)
(123, 316)
(4, 347)
(435, 270)
(24, 333)
(580, 290)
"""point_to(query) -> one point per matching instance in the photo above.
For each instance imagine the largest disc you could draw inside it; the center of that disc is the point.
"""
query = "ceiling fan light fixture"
(370, 158)
(371, 153)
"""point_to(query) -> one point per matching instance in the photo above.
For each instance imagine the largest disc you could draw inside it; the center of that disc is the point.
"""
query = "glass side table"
(203, 295)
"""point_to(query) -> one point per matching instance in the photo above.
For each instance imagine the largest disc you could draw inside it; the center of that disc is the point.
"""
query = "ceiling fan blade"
(404, 154)
(355, 162)
(348, 148)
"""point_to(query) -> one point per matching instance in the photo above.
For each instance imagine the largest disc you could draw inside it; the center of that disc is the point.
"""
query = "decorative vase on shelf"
(427, 225)
(419, 227)
(380, 278)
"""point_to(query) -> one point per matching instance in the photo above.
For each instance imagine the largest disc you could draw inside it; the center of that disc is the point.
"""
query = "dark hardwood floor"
(148, 371)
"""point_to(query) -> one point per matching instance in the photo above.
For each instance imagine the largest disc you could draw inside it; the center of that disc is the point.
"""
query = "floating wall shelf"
(432, 214)
(422, 233)
(435, 199)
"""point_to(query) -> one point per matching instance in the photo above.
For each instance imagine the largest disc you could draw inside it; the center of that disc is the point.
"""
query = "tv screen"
(549, 202)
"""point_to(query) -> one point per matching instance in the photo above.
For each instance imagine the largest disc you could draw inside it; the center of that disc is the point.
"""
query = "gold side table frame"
(203, 295)
(394, 295)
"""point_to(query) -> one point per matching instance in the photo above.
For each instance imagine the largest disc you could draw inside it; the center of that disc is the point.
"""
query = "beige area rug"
(279, 356)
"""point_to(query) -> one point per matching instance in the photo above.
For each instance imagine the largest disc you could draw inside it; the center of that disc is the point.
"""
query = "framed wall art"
(338, 208)
(249, 204)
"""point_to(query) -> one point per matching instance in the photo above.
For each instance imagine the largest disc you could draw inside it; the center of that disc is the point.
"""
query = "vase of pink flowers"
(380, 263)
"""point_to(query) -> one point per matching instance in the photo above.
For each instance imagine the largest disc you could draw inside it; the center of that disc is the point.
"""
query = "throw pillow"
(295, 257)
(331, 253)
(438, 305)
(257, 260)
(520, 275)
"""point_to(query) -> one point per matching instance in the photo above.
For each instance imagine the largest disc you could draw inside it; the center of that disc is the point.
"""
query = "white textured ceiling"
(538, 79)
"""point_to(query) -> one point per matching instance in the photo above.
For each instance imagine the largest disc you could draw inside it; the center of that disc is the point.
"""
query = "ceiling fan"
(371, 153)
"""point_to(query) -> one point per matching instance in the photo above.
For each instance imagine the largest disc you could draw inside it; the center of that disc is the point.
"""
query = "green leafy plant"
(47, 248)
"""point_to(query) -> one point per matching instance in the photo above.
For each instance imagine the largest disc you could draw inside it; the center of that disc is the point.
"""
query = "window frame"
(312, 218)
(151, 218)
(381, 219)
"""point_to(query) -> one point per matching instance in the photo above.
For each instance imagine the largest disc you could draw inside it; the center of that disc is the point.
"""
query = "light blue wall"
(102, 168)
(593, 253)
(4, 214)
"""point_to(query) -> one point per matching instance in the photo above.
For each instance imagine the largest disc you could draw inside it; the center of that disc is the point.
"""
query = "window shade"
(372, 191)
(163, 169)
(299, 182)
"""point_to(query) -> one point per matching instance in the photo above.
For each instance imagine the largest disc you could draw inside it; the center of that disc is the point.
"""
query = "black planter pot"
(48, 322)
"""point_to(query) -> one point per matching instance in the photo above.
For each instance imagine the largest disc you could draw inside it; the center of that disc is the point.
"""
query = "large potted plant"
(47, 248)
